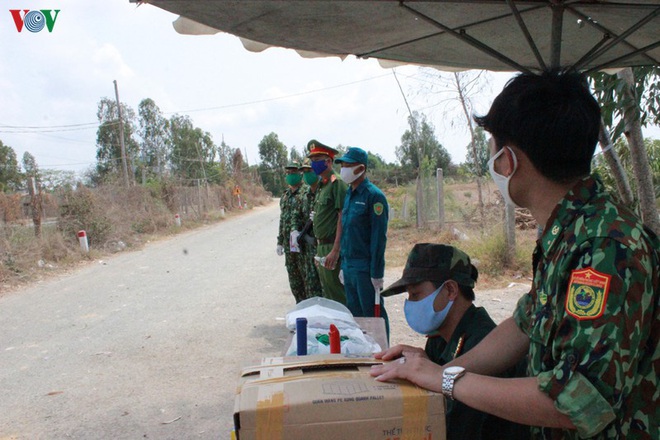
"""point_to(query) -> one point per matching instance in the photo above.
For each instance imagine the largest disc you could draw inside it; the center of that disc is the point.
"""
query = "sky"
(51, 83)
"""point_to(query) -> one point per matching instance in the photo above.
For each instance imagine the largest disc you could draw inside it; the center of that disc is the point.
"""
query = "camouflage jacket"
(592, 318)
(291, 215)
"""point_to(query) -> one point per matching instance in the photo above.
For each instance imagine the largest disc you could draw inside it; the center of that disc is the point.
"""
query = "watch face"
(454, 370)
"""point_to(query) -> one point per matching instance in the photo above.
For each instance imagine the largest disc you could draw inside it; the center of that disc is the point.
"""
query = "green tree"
(273, 154)
(10, 172)
(193, 150)
(652, 147)
(108, 145)
(478, 167)
(155, 137)
(420, 141)
(633, 96)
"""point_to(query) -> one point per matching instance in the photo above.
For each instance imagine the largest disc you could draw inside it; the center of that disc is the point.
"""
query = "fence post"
(441, 198)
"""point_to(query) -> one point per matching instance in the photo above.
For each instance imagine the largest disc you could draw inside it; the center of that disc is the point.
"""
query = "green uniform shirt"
(592, 318)
(462, 421)
(327, 206)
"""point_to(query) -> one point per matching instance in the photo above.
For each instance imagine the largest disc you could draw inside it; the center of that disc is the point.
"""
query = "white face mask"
(501, 181)
(346, 174)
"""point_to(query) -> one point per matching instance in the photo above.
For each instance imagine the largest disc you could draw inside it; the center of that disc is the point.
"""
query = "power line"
(18, 129)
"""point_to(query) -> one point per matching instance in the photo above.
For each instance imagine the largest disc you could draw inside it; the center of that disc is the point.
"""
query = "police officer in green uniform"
(307, 240)
(590, 325)
(327, 219)
(439, 280)
(364, 236)
(291, 222)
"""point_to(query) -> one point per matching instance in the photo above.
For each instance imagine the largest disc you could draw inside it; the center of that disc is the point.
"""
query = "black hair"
(466, 292)
(552, 117)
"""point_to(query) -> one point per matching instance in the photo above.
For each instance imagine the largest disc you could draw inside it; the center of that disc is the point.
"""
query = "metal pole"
(557, 28)
(441, 198)
(121, 137)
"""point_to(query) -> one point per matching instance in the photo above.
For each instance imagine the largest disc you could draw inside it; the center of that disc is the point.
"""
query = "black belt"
(330, 240)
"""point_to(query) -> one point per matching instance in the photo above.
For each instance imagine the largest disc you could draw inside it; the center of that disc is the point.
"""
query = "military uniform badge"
(378, 208)
(587, 293)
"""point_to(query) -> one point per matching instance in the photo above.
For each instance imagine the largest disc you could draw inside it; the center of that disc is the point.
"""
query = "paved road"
(150, 343)
(147, 344)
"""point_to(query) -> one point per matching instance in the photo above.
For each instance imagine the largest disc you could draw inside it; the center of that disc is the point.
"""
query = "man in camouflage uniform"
(590, 326)
(291, 222)
(307, 240)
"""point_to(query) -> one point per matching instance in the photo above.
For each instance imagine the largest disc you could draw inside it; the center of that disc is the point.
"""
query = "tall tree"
(633, 96)
(193, 150)
(420, 142)
(108, 146)
(273, 154)
(10, 172)
(155, 140)
(33, 184)
(478, 165)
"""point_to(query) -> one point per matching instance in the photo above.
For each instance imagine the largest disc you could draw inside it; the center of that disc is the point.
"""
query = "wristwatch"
(449, 377)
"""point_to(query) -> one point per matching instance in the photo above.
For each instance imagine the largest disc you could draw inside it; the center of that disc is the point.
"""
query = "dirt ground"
(150, 343)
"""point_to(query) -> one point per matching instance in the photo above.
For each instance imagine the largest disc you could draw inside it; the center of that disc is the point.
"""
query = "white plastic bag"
(320, 313)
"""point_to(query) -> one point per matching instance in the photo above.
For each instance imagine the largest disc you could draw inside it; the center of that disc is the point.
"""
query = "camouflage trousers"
(312, 281)
(294, 262)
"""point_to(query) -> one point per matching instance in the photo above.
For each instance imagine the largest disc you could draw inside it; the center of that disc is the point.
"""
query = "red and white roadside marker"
(82, 239)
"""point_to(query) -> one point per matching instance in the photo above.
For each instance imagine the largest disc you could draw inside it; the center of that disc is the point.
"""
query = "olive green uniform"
(592, 318)
(327, 209)
(462, 421)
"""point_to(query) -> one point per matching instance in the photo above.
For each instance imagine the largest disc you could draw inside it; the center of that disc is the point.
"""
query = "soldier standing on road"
(364, 224)
(590, 325)
(327, 218)
(307, 240)
(291, 222)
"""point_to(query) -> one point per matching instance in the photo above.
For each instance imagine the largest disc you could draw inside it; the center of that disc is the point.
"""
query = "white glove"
(311, 215)
(341, 276)
(378, 283)
(280, 250)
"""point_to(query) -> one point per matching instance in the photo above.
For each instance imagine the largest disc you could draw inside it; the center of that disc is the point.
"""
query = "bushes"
(81, 209)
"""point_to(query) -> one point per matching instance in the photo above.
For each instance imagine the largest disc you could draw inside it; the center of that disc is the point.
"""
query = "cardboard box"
(332, 397)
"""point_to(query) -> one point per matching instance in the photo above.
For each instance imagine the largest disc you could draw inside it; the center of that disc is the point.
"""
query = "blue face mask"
(319, 166)
(422, 317)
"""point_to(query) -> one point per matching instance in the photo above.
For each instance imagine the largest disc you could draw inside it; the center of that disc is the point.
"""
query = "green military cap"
(306, 164)
(435, 262)
(293, 165)
(315, 147)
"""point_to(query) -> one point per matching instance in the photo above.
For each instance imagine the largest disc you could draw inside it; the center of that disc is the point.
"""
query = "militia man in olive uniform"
(327, 218)
(590, 325)
(307, 240)
(291, 223)
(440, 280)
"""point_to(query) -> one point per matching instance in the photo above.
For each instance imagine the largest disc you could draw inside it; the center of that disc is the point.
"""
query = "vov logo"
(34, 21)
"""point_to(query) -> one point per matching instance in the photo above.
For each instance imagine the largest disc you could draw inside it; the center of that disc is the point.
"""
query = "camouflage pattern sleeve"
(283, 219)
(601, 319)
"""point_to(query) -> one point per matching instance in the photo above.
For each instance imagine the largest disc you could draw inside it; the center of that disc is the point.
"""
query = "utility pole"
(121, 137)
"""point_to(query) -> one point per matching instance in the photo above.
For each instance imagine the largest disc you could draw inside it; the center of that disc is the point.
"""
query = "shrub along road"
(150, 343)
